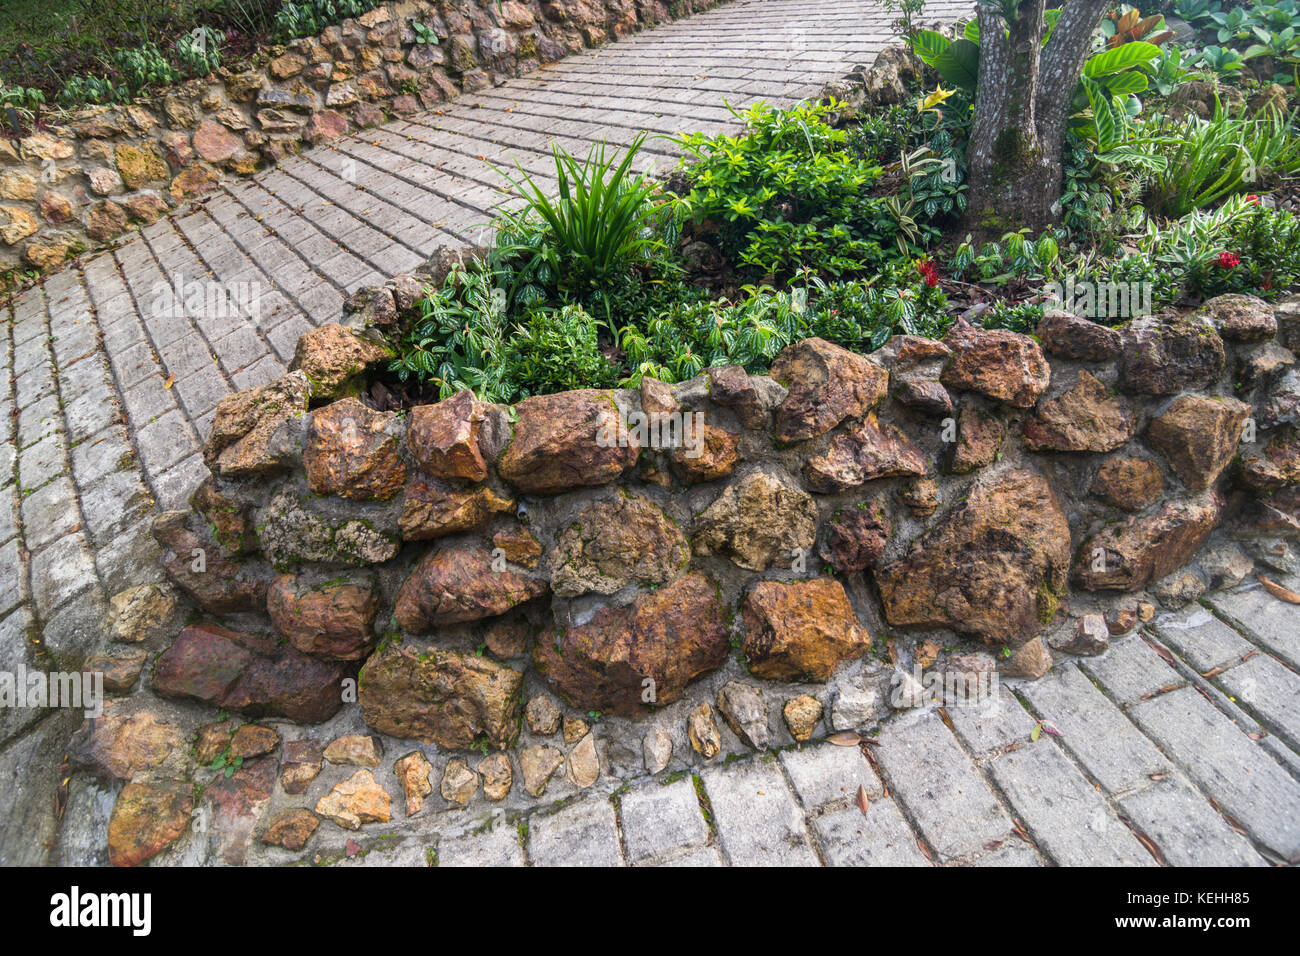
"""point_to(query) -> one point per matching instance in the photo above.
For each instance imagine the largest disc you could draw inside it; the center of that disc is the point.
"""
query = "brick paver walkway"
(109, 398)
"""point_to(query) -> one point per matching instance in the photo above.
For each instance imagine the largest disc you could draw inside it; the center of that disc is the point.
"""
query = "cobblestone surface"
(1177, 746)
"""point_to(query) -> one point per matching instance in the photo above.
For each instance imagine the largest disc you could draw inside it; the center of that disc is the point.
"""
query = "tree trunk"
(1022, 103)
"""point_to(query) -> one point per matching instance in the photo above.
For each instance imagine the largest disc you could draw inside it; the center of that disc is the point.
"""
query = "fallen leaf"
(1279, 592)
(1021, 832)
(845, 738)
(920, 845)
(1165, 654)
(863, 803)
(1036, 732)
(947, 721)
(1150, 844)
(171, 380)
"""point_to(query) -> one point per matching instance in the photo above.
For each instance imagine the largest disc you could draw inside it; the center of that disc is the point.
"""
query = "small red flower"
(1252, 198)
(1227, 260)
(929, 272)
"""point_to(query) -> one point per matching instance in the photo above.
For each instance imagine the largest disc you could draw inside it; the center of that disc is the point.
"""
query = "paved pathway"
(109, 398)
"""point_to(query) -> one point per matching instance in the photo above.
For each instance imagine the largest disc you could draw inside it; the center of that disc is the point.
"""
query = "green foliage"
(1016, 256)
(603, 221)
(555, 351)
(423, 33)
(787, 194)
(302, 18)
(1204, 161)
(199, 51)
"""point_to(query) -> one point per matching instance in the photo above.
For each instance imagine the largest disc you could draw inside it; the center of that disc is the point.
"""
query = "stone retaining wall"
(105, 169)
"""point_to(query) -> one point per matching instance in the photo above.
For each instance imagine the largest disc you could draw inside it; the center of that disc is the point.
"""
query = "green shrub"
(557, 350)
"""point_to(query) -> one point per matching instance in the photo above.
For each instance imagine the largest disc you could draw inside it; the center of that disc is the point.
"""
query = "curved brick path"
(96, 442)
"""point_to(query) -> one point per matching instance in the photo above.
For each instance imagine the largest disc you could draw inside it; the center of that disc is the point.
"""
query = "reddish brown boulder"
(1005, 366)
(214, 143)
(352, 452)
(300, 762)
(445, 438)
(995, 567)
(238, 801)
(759, 521)
(568, 440)
(454, 700)
(1199, 436)
(1086, 418)
(433, 509)
(800, 630)
(197, 567)
(146, 819)
(1072, 337)
(857, 535)
(251, 674)
(519, 546)
(827, 384)
(335, 360)
(979, 440)
(1130, 555)
(872, 450)
(732, 387)
(1164, 356)
(118, 744)
(332, 618)
(249, 436)
(663, 641)
(253, 740)
(451, 585)
(230, 524)
(1128, 483)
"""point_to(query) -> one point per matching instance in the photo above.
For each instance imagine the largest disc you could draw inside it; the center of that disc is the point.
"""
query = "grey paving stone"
(939, 786)
(498, 845)
(757, 819)
(1270, 623)
(106, 452)
(42, 461)
(700, 856)
(1200, 638)
(1270, 691)
(13, 583)
(988, 725)
(659, 819)
(49, 512)
(1095, 731)
(581, 834)
(1013, 852)
(1228, 766)
(822, 773)
(881, 837)
(1131, 669)
(164, 442)
(60, 572)
(1063, 813)
(1186, 828)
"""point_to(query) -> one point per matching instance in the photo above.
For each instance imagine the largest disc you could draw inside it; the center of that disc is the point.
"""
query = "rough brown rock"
(757, 521)
(253, 740)
(146, 819)
(614, 543)
(300, 762)
(1128, 483)
(216, 584)
(716, 457)
(230, 524)
(497, 776)
(802, 714)
(745, 711)
(857, 535)
(1130, 555)
(355, 750)
(872, 450)
(538, 764)
(827, 384)
(351, 452)
(1241, 318)
(459, 783)
(979, 440)
(1199, 436)
(1031, 660)
(332, 618)
(995, 567)
(702, 731)
(568, 440)
(732, 387)
(1072, 337)
(542, 716)
(355, 801)
(292, 829)
(1005, 366)
(1275, 465)
(249, 436)
(335, 360)
(626, 658)
(120, 671)
(433, 509)
(250, 674)
(519, 546)
(584, 762)
(140, 613)
(446, 438)
(452, 585)
(412, 773)
(1085, 418)
(443, 697)
(800, 630)
(118, 744)
(1164, 356)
